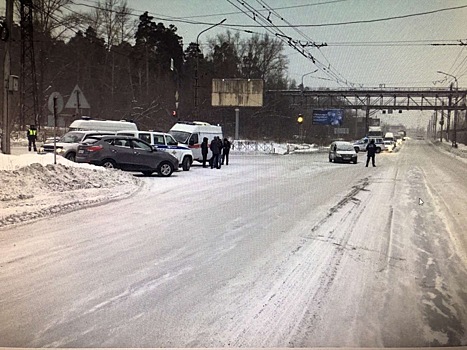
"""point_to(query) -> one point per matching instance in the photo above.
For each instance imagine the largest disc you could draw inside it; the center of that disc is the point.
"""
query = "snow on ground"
(34, 187)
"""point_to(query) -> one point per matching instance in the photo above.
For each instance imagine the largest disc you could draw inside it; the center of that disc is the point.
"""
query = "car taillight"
(94, 148)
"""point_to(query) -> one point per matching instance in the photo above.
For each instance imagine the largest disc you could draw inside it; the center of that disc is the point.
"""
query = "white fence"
(244, 146)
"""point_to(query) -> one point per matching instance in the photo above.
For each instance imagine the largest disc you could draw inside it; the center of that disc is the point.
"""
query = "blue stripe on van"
(171, 147)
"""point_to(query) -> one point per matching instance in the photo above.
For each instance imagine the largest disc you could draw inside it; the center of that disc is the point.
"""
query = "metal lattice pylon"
(29, 97)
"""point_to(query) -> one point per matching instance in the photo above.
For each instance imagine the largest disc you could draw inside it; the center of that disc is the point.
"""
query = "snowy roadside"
(459, 153)
(33, 187)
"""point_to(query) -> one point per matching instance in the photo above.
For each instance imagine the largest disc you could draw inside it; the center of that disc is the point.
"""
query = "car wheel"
(378, 150)
(355, 161)
(330, 160)
(186, 164)
(109, 163)
(356, 149)
(165, 169)
(147, 173)
(71, 156)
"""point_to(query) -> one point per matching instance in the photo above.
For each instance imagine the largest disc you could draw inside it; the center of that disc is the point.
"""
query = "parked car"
(164, 142)
(342, 151)
(67, 146)
(126, 153)
(360, 145)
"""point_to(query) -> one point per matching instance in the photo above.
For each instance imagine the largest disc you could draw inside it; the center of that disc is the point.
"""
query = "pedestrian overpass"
(439, 100)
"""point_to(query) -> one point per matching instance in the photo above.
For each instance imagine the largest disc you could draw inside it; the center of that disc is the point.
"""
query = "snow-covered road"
(270, 251)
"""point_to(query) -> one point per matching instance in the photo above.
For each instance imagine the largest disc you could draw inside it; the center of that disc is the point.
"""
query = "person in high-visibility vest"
(32, 136)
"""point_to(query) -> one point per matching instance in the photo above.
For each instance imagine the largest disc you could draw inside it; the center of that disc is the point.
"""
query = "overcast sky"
(395, 64)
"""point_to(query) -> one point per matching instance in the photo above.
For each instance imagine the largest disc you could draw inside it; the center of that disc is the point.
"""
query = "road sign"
(58, 102)
(77, 99)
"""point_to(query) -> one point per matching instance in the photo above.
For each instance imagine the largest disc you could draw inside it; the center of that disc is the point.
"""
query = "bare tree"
(112, 20)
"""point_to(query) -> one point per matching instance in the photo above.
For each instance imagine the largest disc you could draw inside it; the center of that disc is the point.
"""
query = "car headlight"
(60, 151)
(338, 155)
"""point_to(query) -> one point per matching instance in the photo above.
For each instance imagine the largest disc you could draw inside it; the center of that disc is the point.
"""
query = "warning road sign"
(77, 99)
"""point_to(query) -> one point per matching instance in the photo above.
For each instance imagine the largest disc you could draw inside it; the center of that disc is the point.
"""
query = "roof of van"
(107, 125)
(192, 126)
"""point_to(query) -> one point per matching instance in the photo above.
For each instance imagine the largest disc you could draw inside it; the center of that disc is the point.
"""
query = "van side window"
(170, 141)
(159, 140)
(193, 139)
(145, 137)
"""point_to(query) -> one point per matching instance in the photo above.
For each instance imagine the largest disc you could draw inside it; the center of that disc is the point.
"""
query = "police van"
(192, 134)
(164, 142)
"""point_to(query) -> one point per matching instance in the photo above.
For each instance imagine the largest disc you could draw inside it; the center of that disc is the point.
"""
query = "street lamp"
(197, 62)
(455, 111)
(304, 75)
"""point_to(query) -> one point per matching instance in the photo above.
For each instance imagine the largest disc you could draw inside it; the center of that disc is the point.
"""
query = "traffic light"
(300, 119)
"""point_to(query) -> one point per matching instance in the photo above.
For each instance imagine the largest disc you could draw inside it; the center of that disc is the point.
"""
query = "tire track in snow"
(304, 279)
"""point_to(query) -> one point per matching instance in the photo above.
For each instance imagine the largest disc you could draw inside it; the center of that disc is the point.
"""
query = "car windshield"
(180, 136)
(72, 137)
(344, 147)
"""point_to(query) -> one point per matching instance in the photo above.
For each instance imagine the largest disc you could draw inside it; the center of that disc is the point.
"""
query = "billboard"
(334, 117)
(237, 92)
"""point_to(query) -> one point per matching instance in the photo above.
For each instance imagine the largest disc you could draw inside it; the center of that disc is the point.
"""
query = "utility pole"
(6, 79)
(29, 96)
(455, 109)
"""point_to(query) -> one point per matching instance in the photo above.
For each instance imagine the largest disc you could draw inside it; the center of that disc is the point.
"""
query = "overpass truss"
(421, 99)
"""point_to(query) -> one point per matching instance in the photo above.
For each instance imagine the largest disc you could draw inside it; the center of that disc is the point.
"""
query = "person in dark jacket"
(225, 152)
(204, 151)
(216, 152)
(371, 152)
(32, 137)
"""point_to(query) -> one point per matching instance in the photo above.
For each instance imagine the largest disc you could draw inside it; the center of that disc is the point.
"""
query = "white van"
(192, 134)
(164, 142)
(101, 125)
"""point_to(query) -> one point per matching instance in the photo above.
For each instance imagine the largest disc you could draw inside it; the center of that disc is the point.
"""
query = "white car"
(342, 151)
(388, 146)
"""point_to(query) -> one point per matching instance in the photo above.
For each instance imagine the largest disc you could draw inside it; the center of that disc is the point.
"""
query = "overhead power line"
(356, 22)
(276, 8)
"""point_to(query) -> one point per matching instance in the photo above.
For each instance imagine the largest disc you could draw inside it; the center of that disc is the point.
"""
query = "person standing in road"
(216, 151)
(371, 152)
(32, 137)
(204, 151)
(221, 148)
(225, 152)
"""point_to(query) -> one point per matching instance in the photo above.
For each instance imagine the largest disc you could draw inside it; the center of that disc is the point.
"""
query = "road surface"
(270, 251)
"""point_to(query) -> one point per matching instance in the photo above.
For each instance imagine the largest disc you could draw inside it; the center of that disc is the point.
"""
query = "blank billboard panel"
(237, 92)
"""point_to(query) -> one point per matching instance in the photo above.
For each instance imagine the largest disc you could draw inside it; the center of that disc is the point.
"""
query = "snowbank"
(32, 186)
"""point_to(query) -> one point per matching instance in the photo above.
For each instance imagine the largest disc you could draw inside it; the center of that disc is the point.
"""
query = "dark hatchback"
(126, 153)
